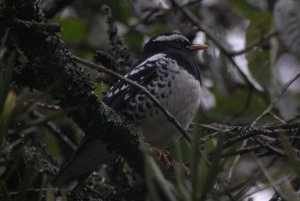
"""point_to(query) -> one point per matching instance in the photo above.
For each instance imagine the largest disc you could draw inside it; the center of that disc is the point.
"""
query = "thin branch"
(56, 131)
(234, 164)
(255, 44)
(54, 28)
(245, 150)
(43, 105)
(169, 116)
(266, 173)
(277, 118)
(208, 137)
(245, 133)
(216, 127)
(194, 19)
(276, 98)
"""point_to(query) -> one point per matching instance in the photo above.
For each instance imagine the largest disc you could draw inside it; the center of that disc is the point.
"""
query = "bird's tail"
(88, 157)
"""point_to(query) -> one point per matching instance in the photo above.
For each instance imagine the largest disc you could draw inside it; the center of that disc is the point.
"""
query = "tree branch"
(276, 98)
(169, 116)
(255, 44)
(194, 19)
(49, 67)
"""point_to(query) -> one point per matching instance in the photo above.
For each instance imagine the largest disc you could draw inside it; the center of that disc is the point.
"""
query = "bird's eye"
(182, 42)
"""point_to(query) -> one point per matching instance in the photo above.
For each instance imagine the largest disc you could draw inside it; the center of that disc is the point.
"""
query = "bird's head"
(172, 40)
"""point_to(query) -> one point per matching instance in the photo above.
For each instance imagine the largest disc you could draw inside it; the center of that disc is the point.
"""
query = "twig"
(220, 129)
(245, 133)
(54, 28)
(43, 105)
(265, 172)
(284, 88)
(277, 118)
(245, 150)
(56, 131)
(194, 19)
(259, 42)
(169, 116)
(33, 190)
(216, 127)
(208, 137)
(235, 162)
(276, 98)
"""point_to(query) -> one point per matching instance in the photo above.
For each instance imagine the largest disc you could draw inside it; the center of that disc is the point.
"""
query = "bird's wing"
(142, 73)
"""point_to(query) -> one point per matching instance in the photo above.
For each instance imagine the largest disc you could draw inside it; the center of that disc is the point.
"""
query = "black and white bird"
(167, 68)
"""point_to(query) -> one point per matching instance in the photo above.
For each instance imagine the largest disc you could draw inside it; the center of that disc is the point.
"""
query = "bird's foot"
(163, 155)
(183, 168)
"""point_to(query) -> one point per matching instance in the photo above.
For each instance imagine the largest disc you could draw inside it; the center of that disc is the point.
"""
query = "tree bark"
(44, 63)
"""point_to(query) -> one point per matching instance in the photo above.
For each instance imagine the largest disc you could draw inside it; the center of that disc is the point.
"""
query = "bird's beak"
(197, 47)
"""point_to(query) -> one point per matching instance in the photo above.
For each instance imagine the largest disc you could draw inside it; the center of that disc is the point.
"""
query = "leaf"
(155, 174)
(134, 40)
(287, 23)
(156, 182)
(259, 64)
(9, 106)
(289, 192)
(231, 104)
(25, 183)
(259, 59)
(4, 193)
(49, 196)
(5, 78)
(73, 29)
(291, 155)
(215, 166)
(245, 8)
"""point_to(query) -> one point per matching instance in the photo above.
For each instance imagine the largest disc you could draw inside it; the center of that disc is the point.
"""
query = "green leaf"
(134, 40)
(25, 183)
(156, 181)
(259, 58)
(4, 193)
(244, 8)
(5, 79)
(9, 106)
(234, 102)
(291, 155)
(99, 89)
(288, 192)
(260, 23)
(215, 166)
(50, 194)
(73, 30)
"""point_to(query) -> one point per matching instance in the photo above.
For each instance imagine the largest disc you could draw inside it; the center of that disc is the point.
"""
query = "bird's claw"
(163, 155)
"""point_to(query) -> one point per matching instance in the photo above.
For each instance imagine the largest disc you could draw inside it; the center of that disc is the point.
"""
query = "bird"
(168, 69)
